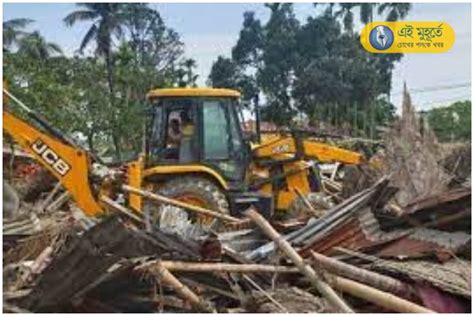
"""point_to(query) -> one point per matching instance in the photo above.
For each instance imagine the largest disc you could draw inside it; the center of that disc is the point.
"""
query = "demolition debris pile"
(400, 244)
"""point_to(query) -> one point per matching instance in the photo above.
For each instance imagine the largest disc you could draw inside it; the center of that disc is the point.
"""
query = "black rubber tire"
(201, 187)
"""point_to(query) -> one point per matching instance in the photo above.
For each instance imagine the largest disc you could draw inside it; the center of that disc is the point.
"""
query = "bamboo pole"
(377, 297)
(50, 196)
(17, 224)
(334, 195)
(122, 209)
(56, 204)
(379, 281)
(219, 267)
(334, 171)
(163, 199)
(182, 290)
(305, 269)
(333, 184)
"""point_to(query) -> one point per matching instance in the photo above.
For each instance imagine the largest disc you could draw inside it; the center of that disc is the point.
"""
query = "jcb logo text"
(50, 157)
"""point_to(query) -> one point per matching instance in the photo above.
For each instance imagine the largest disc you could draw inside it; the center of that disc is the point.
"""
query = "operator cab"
(197, 126)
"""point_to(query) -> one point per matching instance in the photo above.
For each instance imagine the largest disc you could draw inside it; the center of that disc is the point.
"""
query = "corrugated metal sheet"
(359, 232)
(363, 232)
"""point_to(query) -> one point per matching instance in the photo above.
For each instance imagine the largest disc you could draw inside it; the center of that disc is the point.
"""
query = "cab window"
(173, 138)
(215, 131)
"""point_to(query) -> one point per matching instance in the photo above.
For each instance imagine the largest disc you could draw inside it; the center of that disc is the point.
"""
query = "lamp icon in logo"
(381, 37)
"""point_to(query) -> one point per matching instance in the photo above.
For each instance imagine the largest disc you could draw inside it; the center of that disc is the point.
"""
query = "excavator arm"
(283, 148)
(293, 154)
(69, 164)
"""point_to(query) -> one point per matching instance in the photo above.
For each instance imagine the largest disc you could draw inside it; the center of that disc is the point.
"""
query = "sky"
(211, 29)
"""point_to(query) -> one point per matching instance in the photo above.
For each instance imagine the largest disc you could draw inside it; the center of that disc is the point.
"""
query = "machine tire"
(209, 194)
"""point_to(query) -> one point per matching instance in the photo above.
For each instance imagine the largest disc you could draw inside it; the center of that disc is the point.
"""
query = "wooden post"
(182, 290)
(377, 297)
(163, 199)
(219, 267)
(305, 269)
(376, 280)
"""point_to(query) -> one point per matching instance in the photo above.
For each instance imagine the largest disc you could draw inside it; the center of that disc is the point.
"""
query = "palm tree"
(189, 65)
(367, 11)
(35, 46)
(107, 20)
(345, 12)
(13, 31)
(396, 11)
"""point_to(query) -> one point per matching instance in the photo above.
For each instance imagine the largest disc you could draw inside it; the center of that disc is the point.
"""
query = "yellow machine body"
(72, 166)
(275, 147)
(68, 164)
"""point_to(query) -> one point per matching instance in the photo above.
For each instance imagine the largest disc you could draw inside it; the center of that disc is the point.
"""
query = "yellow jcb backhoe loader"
(194, 151)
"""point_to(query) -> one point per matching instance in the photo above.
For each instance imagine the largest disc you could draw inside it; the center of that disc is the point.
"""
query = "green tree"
(107, 21)
(224, 74)
(347, 15)
(59, 88)
(366, 12)
(275, 76)
(248, 49)
(152, 43)
(318, 68)
(247, 56)
(451, 123)
(189, 66)
(336, 81)
(150, 55)
(144, 54)
(13, 31)
(35, 46)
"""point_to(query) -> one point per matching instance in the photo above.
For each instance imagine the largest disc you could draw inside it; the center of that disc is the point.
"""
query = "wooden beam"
(377, 297)
(371, 278)
(163, 199)
(304, 268)
(182, 290)
(219, 267)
